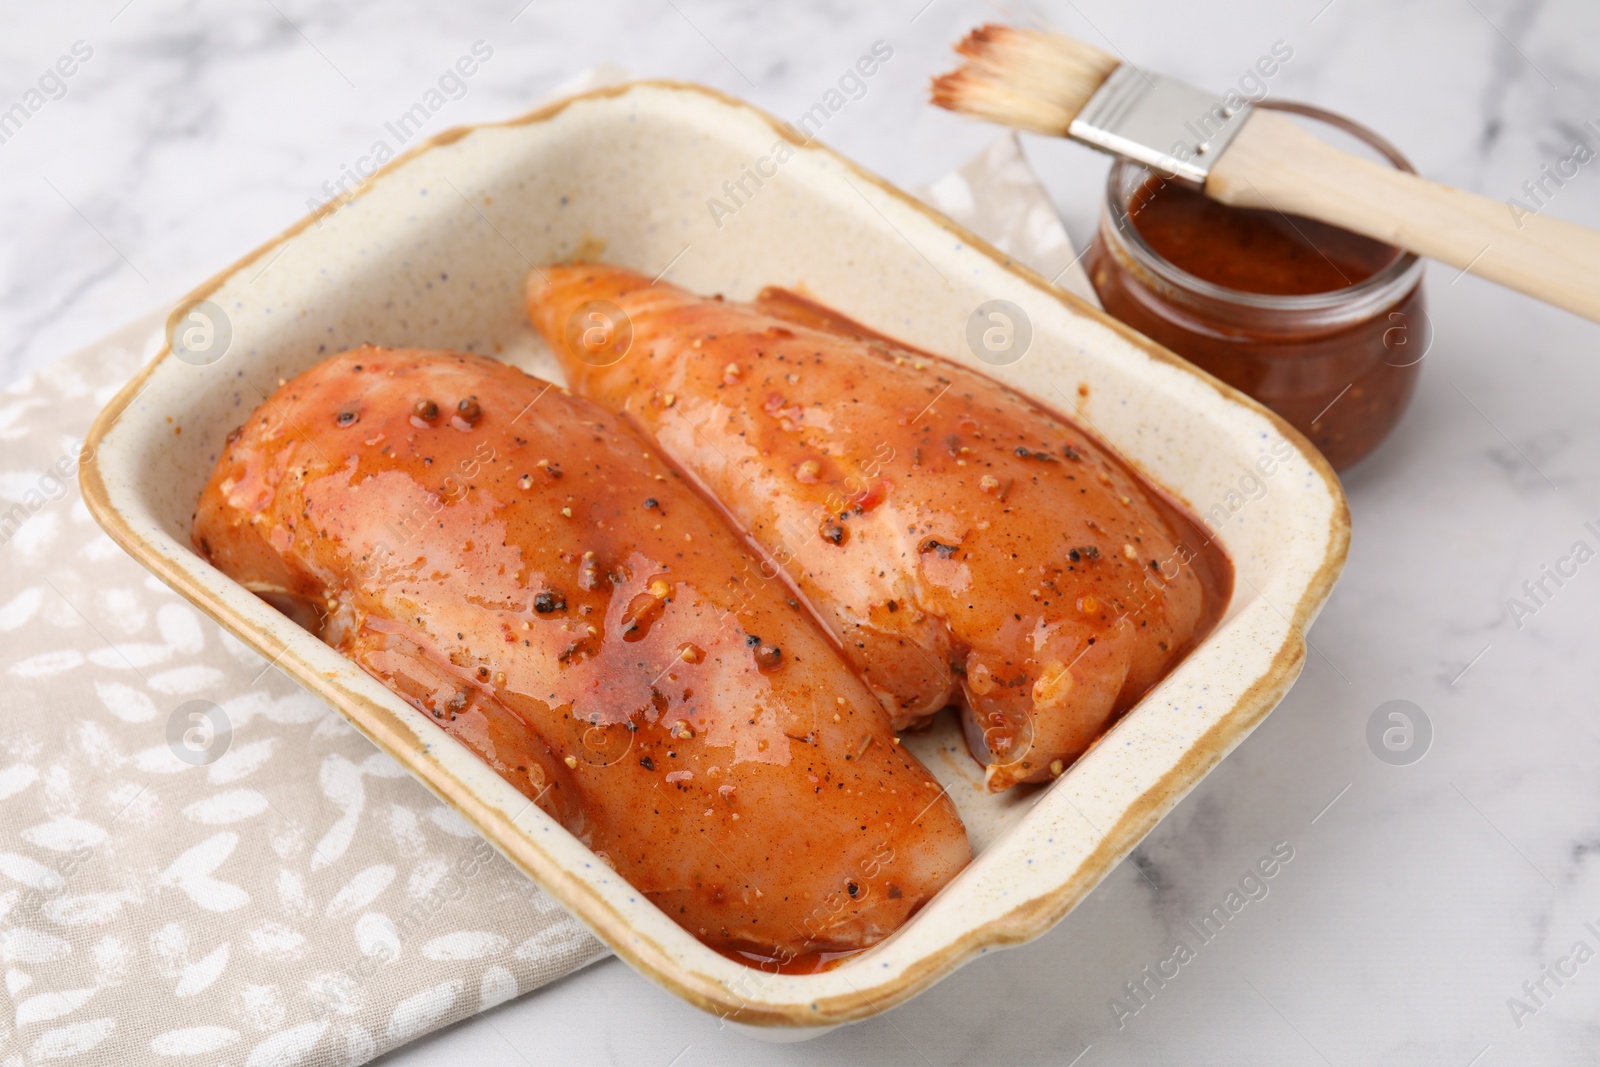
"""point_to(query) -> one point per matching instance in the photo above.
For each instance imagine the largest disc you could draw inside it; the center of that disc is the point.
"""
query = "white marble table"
(1420, 898)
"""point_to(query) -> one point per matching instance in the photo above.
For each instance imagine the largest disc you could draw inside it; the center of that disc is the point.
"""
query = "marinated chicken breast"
(959, 540)
(512, 561)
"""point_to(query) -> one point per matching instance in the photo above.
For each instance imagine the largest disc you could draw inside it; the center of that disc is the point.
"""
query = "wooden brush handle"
(1273, 163)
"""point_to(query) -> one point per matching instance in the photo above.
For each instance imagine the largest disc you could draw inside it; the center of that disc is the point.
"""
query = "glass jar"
(1340, 365)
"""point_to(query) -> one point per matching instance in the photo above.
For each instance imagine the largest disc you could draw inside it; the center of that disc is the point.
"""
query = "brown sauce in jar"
(1253, 250)
(1324, 326)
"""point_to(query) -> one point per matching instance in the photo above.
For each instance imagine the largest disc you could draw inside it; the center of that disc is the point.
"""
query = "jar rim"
(1395, 279)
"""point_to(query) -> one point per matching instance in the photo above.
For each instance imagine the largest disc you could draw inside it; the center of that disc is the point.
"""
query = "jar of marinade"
(1324, 326)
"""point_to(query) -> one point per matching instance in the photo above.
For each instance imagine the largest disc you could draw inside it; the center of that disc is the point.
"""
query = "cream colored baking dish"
(432, 252)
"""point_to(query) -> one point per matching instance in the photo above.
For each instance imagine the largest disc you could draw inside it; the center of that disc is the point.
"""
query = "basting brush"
(1052, 84)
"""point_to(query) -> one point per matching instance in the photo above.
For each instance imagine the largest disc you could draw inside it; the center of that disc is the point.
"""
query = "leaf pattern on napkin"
(298, 900)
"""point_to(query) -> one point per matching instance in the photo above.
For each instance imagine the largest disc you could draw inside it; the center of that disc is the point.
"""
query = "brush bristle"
(1031, 79)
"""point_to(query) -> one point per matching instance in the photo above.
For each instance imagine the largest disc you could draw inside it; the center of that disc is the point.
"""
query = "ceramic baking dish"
(432, 252)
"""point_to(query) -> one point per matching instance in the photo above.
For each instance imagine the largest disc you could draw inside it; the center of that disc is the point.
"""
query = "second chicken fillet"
(961, 541)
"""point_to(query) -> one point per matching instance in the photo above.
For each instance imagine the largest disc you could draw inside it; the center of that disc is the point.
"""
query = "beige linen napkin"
(199, 861)
(261, 888)
(997, 196)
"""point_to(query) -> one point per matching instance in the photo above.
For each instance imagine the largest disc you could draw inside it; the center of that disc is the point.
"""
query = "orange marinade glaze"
(512, 561)
(960, 541)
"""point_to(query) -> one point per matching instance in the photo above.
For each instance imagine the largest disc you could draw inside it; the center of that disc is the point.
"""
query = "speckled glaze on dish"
(433, 251)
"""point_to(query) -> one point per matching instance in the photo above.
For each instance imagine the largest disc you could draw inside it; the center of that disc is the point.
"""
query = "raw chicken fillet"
(530, 573)
(961, 542)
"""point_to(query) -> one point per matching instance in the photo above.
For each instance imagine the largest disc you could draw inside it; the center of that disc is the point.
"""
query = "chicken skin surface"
(960, 541)
(512, 561)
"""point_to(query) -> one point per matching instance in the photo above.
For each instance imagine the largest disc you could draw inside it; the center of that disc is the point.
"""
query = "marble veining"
(1421, 899)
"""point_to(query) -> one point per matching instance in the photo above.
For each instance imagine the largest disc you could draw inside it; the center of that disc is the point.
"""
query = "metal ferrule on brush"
(1174, 129)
